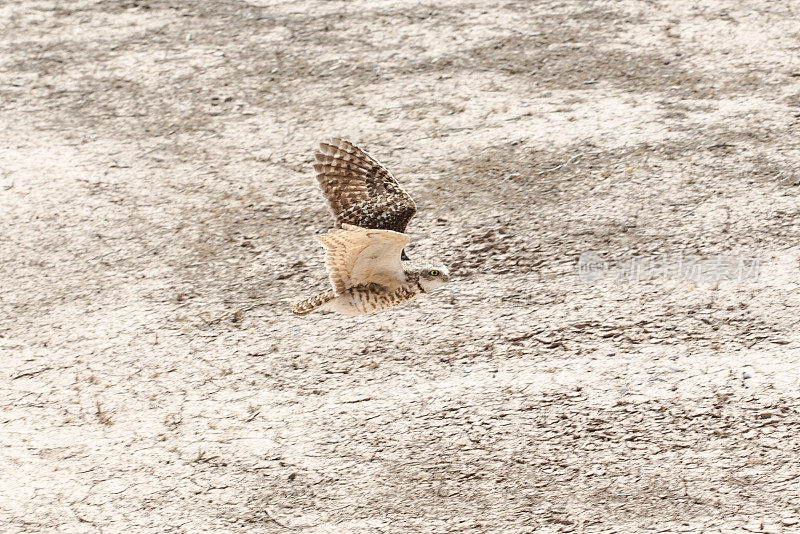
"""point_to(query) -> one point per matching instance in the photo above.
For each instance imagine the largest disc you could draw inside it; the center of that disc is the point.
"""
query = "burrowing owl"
(364, 255)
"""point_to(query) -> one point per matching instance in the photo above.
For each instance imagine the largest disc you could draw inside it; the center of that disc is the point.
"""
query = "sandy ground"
(157, 210)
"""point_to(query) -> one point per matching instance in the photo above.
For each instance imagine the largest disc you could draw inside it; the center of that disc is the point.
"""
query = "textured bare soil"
(157, 208)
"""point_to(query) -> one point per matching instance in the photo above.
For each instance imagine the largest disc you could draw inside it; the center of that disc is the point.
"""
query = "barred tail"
(310, 304)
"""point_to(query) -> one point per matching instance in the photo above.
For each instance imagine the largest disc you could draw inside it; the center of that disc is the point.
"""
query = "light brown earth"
(157, 208)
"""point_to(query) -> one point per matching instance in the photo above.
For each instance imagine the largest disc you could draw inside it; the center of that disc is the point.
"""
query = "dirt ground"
(157, 212)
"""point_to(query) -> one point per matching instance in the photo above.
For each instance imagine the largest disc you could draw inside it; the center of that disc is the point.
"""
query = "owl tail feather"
(310, 304)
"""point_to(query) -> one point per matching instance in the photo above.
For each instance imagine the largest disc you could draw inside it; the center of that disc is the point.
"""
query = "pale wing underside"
(359, 190)
(358, 256)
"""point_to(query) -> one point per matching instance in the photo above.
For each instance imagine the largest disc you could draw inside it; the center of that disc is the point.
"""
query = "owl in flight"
(364, 254)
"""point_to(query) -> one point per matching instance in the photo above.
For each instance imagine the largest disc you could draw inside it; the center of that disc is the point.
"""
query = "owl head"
(433, 276)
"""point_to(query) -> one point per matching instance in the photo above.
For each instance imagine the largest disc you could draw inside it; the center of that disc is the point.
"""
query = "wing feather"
(359, 190)
(359, 256)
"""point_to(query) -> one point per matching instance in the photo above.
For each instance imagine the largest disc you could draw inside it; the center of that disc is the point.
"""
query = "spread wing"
(359, 190)
(358, 256)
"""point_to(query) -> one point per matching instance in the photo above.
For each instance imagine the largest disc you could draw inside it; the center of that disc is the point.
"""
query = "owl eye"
(433, 272)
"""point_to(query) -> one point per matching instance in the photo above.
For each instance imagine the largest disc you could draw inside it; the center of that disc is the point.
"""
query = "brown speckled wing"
(359, 190)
